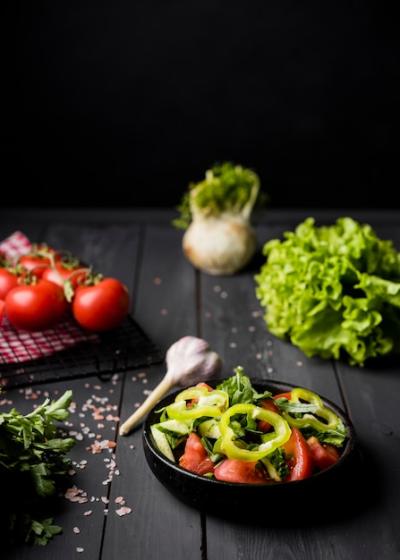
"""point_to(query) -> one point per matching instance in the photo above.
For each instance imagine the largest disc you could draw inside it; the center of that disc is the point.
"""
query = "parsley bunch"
(32, 466)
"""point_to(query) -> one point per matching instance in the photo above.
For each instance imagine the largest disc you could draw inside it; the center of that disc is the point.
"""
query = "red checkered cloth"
(15, 246)
(21, 346)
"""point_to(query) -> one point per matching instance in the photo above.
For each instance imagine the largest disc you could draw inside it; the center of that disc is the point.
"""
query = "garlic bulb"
(189, 361)
(219, 246)
(216, 215)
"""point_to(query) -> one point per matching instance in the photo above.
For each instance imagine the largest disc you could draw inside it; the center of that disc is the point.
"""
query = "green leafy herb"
(295, 407)
(333, 290)
(240, 390)
(42, 532)
(226, 188)
(208, 446)
(334, 437)
(32, 458)
(278, 460)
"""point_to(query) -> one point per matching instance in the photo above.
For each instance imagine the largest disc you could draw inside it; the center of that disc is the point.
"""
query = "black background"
(120, 103)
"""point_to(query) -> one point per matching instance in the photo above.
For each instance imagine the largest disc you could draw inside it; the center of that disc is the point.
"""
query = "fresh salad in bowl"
(235, 434)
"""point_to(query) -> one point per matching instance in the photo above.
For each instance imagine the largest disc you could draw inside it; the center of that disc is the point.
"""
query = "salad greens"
(236, 434)
(239, 388)
(32, 460)
(226, 188)
(333, 290)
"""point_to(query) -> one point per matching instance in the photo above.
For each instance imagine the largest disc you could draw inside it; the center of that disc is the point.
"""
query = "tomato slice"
(195, 458)
(323, 455)
(287, 396)
(268, 404)
(205, 386)
(192, 402)
(234, 470)
(300, 463)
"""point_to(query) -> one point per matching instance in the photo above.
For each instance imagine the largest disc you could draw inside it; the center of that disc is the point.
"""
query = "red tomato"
(301, 462)
(287, 396)
(101, 307)
(268, 404)
(2, 305)
(37, 261)
(205, 386)
(192, 402)
(323, 455)
(8, 281)
(59, 274)
(35, 307)
(234, 470)
(195, 458)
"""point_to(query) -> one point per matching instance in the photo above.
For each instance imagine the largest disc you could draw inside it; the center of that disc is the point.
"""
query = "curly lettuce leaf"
(333, 291)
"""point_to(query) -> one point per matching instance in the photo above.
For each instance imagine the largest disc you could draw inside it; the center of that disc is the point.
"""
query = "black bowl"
(226, 497)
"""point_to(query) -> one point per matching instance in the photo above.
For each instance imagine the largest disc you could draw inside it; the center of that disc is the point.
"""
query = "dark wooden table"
(171, 299)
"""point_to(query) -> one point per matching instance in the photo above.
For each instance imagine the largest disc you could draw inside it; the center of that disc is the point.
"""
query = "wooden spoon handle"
(162, 389)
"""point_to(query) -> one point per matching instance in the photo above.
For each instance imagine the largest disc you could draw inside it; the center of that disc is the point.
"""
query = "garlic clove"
(189, 361)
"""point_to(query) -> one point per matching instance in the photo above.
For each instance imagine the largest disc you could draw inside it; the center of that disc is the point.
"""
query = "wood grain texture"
(159, 527)
(372, 394)
(233, 323)
(112, 250)
(89, 478)
(165, 303)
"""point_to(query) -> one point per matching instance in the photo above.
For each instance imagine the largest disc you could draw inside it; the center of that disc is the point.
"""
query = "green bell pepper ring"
(311, 420)
(208, 403)
(274, 439)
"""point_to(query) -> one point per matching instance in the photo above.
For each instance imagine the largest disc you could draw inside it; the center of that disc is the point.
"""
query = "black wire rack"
(122, 349)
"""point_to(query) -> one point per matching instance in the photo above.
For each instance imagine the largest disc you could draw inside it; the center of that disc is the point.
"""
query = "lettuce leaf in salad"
(333, 291)
(278, 460)
(240, 390)
(335, 437)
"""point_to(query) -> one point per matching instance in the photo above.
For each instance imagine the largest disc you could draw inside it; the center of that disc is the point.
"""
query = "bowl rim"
(273, 383)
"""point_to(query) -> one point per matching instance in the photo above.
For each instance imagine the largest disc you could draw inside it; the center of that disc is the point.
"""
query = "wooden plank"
(89, 478)
(232, 321)
(271, 216)
(110, 249)
(113, 250)
(33, 230)
(159, 527)
(372, 394)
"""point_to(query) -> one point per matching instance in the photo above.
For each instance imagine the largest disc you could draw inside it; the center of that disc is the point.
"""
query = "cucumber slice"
(210, 429)
(162, 443)
(174, 426)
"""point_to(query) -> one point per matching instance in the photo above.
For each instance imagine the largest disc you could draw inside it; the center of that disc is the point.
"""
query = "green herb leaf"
(278, 460)
(295, 407)
(240, 390)
(33, 456)
(335, 437)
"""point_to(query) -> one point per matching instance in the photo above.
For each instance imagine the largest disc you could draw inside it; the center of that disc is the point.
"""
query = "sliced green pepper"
(274, 439)
(311, 420)
(208, 403)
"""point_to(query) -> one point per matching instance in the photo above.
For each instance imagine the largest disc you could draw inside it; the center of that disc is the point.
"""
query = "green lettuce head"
(333, 291)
